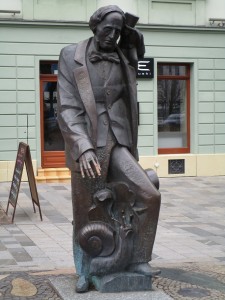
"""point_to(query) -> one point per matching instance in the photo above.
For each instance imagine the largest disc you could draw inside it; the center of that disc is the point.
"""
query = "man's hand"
(89, 165)
(132, 45)
(132, 38)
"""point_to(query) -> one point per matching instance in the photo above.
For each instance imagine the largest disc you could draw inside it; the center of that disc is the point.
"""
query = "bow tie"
(97, 56)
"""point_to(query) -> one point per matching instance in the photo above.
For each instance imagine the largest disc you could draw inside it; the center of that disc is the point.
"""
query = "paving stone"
(7, 262)
(2, 246)
(12, 245)
(25, 241)
(26, 286)
(8, 239)
(34, 251)
(14, 229)
(4, 219)
(3, 276)
(193, 278)
(5, 255)
(23, 288)
(222, 259)
(58, 188)
(197, 281)
(20, 255)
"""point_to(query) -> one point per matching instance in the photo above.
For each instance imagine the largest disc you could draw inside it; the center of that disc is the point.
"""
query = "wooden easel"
(23, 156)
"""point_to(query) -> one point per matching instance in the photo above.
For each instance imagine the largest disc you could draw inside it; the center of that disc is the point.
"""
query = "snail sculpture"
(110, 246)
(110, 252)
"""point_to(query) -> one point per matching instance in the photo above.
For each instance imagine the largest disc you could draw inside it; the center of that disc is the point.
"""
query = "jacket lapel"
(83, 82)
(84, 86)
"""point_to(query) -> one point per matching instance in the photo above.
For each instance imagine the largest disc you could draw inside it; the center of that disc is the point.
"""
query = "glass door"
(52, 143)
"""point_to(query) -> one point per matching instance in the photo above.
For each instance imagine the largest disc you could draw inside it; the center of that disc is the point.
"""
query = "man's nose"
(112, 33)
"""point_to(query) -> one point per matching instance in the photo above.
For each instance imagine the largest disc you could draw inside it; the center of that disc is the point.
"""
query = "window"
(173, 108)
(49, 67)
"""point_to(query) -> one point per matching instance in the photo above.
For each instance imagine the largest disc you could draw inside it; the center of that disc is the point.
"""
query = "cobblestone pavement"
(21, 286)
(205, 281)
(189, 247)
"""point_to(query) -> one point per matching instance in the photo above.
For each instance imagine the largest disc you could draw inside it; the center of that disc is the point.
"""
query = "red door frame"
(49, 159)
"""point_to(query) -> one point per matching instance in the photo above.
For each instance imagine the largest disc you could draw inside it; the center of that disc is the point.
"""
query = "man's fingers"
(86, 168)
(89, 165)
(97, 167)
(82, 170)
(90, 170)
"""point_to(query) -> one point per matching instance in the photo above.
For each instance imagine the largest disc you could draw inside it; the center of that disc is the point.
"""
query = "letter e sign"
(145, 68)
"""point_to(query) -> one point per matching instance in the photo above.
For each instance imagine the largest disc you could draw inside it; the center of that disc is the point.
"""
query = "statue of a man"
(97, 114)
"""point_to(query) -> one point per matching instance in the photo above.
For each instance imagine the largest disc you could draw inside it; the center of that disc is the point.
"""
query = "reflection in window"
(173, 105)
(171, 70)
(47, 67)
(53, 140)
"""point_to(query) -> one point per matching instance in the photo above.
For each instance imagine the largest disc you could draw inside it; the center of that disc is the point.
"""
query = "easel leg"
(13, 214)
(34, 207)
(7, 208)
(40, 212)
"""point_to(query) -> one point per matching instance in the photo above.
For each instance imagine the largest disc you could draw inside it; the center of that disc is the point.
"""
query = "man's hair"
(99, 15)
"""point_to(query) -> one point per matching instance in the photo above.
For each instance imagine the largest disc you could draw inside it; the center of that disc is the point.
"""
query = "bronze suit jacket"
(76, 111)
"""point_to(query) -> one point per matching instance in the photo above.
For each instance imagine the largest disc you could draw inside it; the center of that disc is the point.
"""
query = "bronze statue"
(115, 204)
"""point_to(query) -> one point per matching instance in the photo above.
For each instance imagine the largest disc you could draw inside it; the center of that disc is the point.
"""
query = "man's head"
(107, 23)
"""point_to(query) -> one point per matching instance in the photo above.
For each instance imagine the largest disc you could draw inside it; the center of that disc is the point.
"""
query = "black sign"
(23, 156)
(145, 68)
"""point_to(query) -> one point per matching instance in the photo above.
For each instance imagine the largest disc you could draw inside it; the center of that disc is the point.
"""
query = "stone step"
(52, 175)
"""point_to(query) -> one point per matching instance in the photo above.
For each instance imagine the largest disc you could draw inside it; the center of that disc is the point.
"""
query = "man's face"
(108, 31)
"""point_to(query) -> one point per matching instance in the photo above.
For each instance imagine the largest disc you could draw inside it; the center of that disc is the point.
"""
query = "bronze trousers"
(118, 165)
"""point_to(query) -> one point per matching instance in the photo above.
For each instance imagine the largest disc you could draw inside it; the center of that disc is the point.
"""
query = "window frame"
(186, 77)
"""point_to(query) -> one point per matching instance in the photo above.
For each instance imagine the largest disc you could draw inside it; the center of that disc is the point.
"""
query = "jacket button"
(109, 106)
(108, 92)
(105, 122)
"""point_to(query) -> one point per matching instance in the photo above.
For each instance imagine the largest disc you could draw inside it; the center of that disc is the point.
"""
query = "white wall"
(10, 4)
(215, 9)
(125, 5)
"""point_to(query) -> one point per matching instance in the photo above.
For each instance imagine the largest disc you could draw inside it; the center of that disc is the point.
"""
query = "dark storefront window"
(50, 68)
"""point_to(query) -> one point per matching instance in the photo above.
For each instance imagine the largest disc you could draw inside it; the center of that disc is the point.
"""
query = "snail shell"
(97, 239)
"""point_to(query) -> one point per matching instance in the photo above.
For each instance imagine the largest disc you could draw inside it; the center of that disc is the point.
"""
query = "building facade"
(181, 105)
